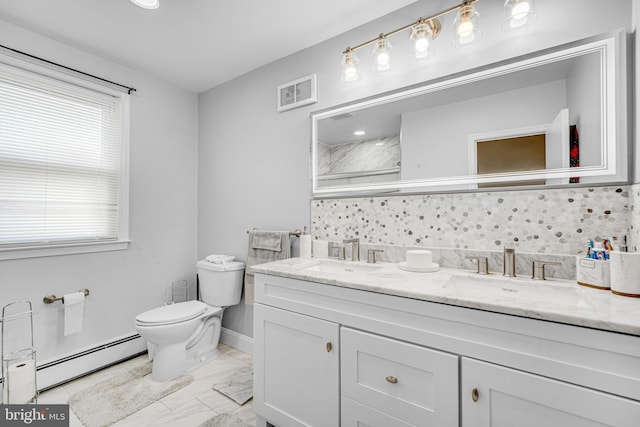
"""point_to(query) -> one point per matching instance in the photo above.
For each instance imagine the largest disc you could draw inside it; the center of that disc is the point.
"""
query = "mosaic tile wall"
(535, 221)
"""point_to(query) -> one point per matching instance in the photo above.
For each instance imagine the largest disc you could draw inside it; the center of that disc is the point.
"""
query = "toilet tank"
(220, 284)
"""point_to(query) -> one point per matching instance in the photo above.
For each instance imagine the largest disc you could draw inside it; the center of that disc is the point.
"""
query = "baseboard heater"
(58, 371)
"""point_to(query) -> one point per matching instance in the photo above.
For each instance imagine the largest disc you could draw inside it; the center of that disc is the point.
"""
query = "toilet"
(183, 336)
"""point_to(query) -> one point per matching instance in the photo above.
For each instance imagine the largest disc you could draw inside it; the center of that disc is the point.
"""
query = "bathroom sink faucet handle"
(371, 255)
(509, 267)
(355, 249)
(539, 271)
(482, 263)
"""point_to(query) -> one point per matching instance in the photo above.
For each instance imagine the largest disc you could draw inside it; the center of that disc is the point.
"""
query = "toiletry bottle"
(599, 252)
(305, 244)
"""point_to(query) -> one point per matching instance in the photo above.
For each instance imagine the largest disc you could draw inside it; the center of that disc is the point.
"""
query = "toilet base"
(203, 347)
(169, 361)
(172, 360)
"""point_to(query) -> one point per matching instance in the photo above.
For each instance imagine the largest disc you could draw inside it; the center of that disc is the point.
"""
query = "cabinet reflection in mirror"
(514, 123)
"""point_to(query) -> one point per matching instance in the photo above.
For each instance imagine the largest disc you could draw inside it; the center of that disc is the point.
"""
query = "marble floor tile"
(187, 407)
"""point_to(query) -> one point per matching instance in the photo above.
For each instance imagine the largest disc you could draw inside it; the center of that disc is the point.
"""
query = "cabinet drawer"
(412, 383)
(356, 414)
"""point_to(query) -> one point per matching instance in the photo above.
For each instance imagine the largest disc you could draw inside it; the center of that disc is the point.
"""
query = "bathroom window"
(63, 163)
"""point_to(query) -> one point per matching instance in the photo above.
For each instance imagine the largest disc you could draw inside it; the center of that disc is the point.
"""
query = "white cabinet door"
(501, 397)
(411, 383)
(296, 369)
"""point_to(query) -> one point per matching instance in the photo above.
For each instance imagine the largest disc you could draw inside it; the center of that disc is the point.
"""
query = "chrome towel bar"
(296, 233)
(48, 299)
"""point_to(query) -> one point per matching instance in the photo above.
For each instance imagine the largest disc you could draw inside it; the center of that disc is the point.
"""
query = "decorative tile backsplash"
(553, 222)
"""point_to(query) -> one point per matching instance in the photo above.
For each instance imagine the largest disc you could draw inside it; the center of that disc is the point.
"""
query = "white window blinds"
(60, 161)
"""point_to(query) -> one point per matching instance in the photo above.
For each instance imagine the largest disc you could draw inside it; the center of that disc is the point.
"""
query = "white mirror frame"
(614, 167)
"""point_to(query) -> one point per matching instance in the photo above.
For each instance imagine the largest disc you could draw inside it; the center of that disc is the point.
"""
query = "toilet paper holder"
(51, 298)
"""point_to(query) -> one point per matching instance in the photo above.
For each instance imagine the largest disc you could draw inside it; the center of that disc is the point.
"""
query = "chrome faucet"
(355, 248)
(509, 262)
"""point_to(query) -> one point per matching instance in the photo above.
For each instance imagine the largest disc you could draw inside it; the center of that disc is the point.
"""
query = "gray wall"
(254, 162)
(163, 201)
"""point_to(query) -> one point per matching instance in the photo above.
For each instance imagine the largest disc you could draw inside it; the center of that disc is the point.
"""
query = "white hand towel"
(220, 259)
(73, 312)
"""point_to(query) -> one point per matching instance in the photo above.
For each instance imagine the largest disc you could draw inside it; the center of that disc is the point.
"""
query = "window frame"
(20, 251)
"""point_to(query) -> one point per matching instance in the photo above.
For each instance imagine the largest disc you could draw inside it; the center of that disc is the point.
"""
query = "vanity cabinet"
(296, 368)
(396, 361)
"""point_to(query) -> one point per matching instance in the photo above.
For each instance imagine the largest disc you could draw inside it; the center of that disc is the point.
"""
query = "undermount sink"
(519, 289)
(327, 266)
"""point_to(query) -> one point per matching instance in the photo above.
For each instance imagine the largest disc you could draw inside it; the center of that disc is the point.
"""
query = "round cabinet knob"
(392, 380)
(329, 347)
(475, 395)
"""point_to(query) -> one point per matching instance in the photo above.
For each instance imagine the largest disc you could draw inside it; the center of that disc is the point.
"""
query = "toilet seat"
(170, 314)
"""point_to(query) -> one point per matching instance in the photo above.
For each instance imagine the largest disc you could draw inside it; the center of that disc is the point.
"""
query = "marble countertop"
(562, 301)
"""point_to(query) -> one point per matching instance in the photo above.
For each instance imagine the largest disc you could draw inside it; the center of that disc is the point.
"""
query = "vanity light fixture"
(465, 25)
(517, 14)
(423, 31)
(382, 53)
(350, 62)
(147, 4)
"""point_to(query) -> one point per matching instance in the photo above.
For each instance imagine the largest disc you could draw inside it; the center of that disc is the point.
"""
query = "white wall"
(163, 194)
(435, 141)
(584, 111)
(254, 162)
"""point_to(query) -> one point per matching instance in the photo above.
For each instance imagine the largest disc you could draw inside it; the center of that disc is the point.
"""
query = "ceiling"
(194, 44)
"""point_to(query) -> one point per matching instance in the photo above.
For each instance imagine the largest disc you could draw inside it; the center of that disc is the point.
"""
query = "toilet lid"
(173, 313)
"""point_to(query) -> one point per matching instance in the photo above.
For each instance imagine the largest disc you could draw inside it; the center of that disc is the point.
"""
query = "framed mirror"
(551, 118)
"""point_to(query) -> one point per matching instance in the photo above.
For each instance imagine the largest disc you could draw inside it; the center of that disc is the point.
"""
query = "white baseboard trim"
(62, 369)
(237, 340)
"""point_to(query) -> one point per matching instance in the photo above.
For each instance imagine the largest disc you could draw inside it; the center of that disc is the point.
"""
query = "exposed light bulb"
(351, 74)
(382, 54)
(383, 60)
(465, 29)
(466, 25)
(349, 61)
(421, 45)
(422, 33)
